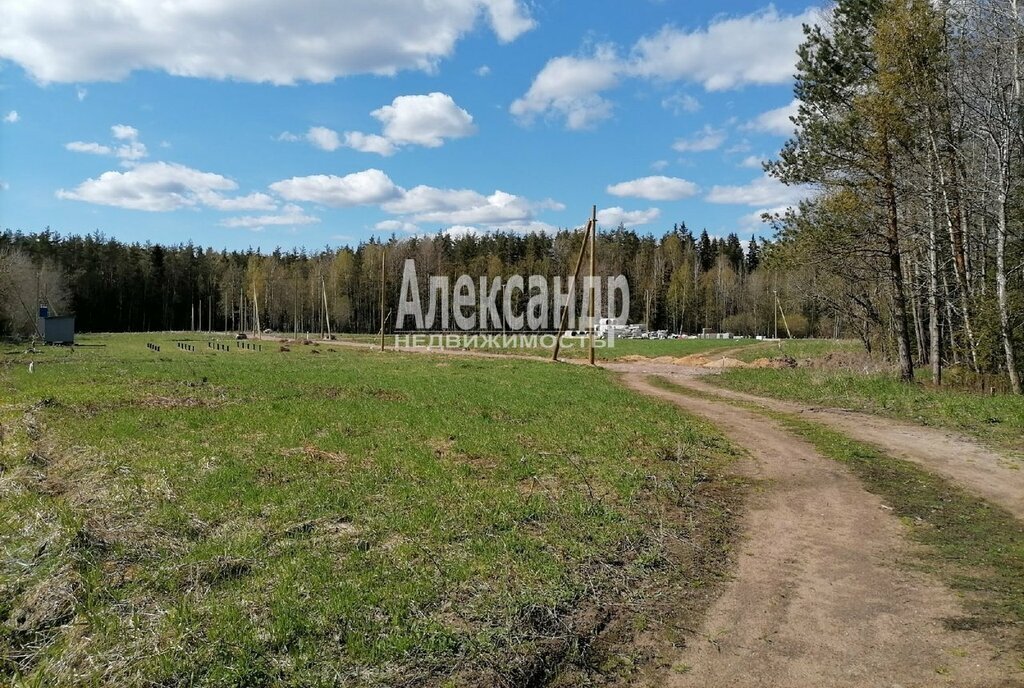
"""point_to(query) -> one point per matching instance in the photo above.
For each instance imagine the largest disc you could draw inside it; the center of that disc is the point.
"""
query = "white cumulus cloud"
(129, 151)
(324, 138)
(424, 120)
(369, 143)
(420, 120)
(432, 205)
(368, 187)
(758, 48)
(570, 88)
(707, 139)
(124, 132)
(464, 206)
(88, 147)
(397, 226)
(12, 117)
(731, 52)
(163, 187)
(765, 191)
(265, 41)
(776, 121)
(655, 188)
(290, 215)
(254, 201)
(154, 187)
(680, 103)
(613, 217)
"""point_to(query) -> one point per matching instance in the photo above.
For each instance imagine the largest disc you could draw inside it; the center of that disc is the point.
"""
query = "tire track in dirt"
(982, 471)
(819, 596)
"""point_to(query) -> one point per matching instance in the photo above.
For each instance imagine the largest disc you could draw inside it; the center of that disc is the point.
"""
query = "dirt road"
(984, 472)
(819, 597)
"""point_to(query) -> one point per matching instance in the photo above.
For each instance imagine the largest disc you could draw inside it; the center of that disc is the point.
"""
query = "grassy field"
(577, 347)
(318, 516)
(997, 420)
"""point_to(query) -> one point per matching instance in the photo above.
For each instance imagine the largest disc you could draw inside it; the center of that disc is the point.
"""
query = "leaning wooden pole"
(383, 254)
(572, 290)
(327, 312)
(786, 324)
(593, 287)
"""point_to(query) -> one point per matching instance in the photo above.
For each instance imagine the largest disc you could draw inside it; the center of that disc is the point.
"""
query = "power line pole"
(593, 250)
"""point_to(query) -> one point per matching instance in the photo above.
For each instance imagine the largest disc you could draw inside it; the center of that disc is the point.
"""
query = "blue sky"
(263, 123)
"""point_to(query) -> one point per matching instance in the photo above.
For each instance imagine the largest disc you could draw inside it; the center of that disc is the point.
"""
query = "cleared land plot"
(290, 517)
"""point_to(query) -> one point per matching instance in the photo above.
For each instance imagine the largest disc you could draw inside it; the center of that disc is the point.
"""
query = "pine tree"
(753, 260)
(706, 252)
(850, 134)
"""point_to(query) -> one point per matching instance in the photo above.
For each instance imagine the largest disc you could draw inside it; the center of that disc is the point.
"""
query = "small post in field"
(593, 251)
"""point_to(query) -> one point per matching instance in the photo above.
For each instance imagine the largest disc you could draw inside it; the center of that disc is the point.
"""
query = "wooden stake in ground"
(572, 290)
(593, 287)
(383, 254)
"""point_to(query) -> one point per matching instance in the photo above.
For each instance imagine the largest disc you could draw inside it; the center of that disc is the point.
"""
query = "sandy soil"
(820, 597)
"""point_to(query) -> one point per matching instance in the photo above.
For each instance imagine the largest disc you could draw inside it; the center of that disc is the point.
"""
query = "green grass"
(997, 420)
(298, 518)
(975, 547)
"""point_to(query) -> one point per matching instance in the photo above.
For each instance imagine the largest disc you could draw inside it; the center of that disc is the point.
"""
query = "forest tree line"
(678, 282)
(911, 129)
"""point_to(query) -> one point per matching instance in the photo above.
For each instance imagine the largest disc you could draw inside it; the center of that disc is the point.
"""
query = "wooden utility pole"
(327, 312)
(383, 255)
(778, 305)
(593, 287)
(572, 290)
(776, 295)
(647, 310)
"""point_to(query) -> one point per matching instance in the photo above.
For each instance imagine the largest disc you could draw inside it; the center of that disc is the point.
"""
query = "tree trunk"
(955, 215)
(899, 295)
(922, 353)
(1006, 328)
(934, 326)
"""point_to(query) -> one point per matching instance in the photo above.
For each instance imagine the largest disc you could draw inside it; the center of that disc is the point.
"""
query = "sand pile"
(776, 363)
(726, 362)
